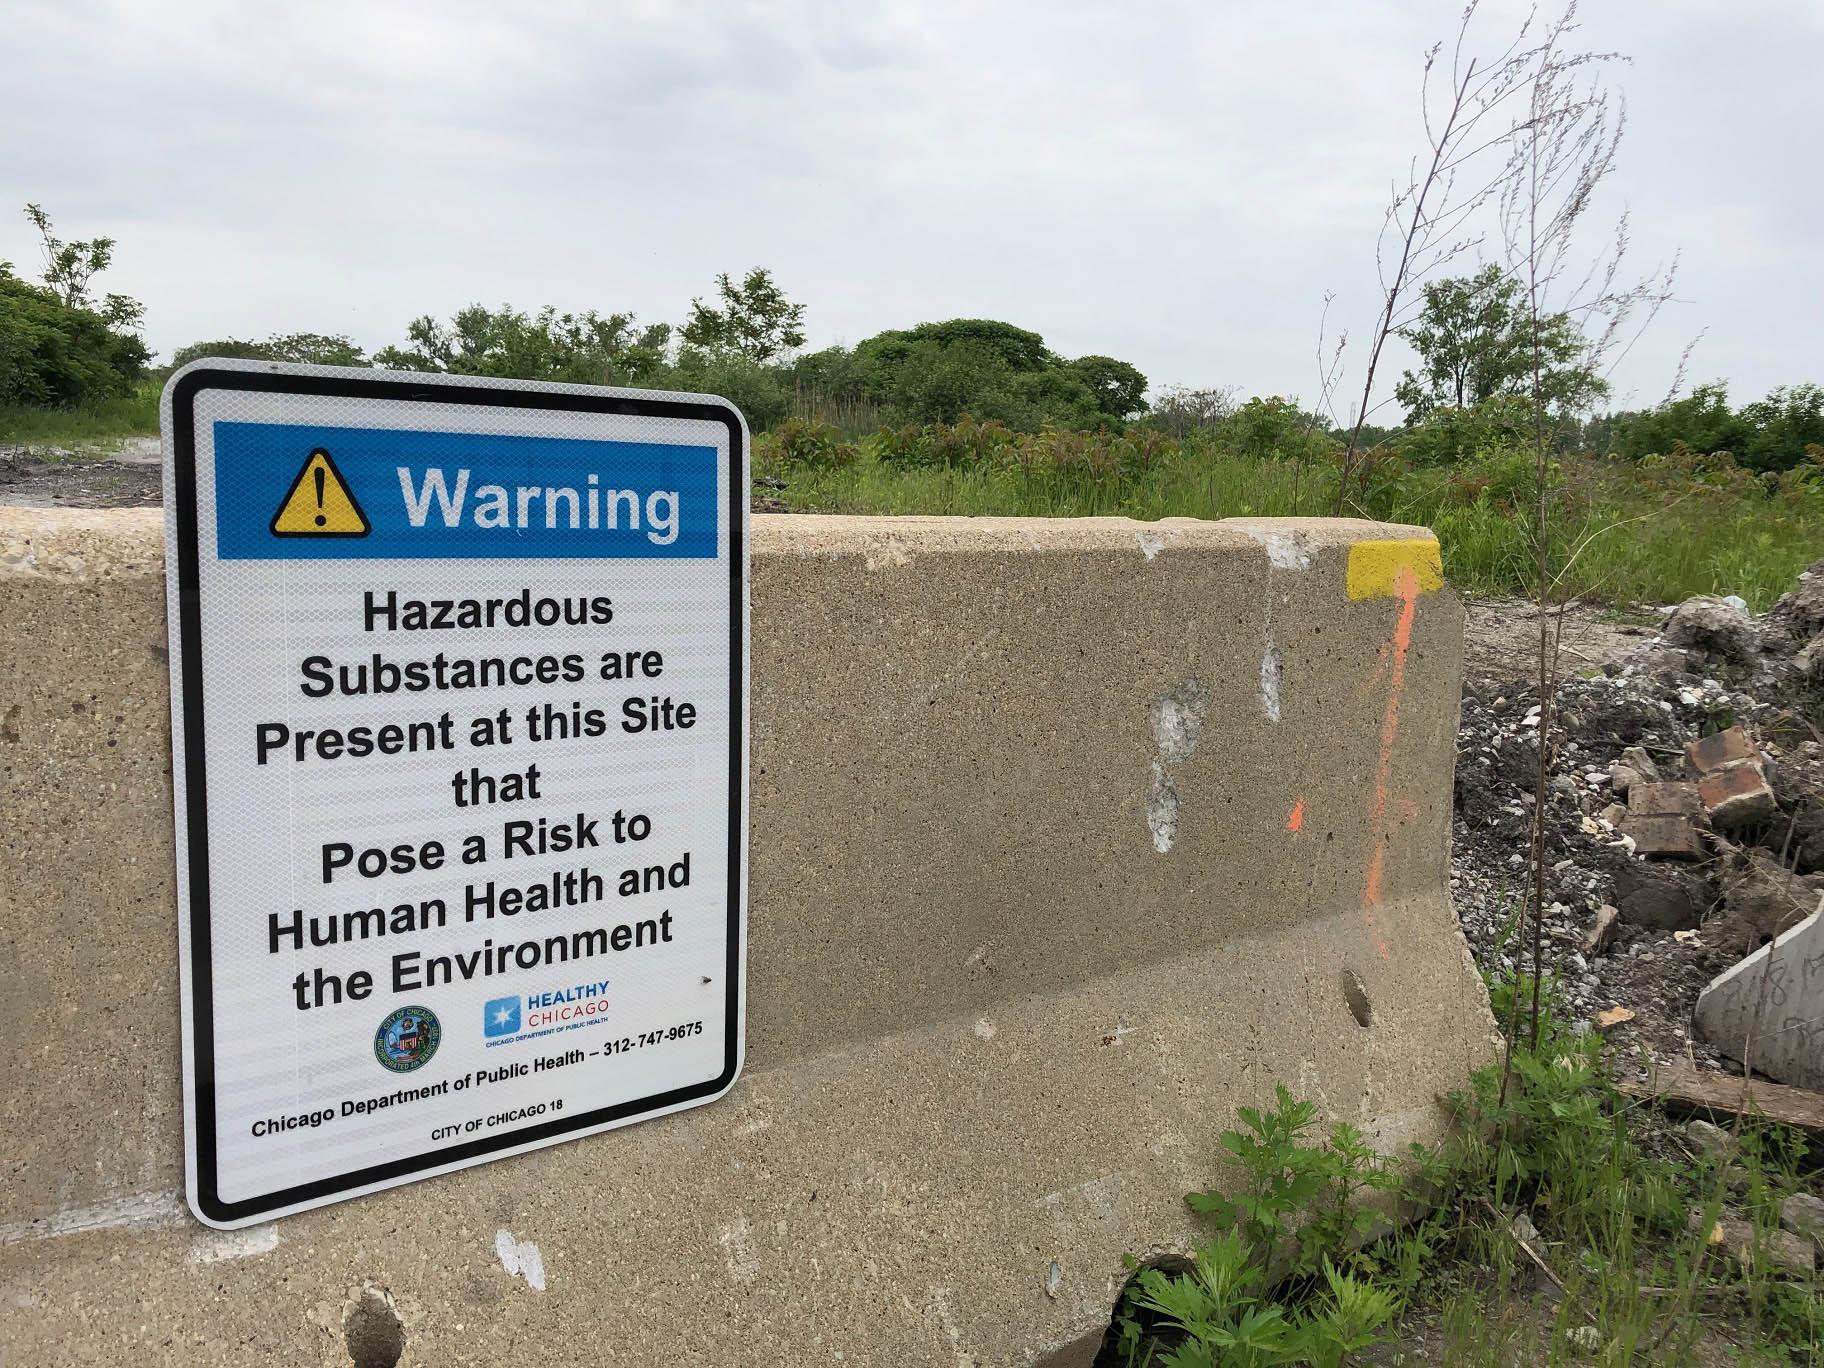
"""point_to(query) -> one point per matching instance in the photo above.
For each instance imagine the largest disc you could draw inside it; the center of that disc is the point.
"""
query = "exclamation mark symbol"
(321, 520)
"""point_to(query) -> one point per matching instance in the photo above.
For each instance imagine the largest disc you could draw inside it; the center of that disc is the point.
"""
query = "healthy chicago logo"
(556, 1009)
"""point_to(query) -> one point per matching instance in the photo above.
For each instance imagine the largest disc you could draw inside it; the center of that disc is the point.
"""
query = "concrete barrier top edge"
(101, 542)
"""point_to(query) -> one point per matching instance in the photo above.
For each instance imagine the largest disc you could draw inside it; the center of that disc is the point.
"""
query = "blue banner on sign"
(303, 492)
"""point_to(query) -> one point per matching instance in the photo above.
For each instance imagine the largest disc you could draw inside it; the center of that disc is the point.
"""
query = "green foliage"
(585, 348)
(1475, 341)
(1782, 432)
(1183, 412)
(755, 321)
(317, 349)
(1270, 1290)
(990, 370)
(1451, 435)
(96, 424)
(56, 355)
(805, 444)
(1546, 1165)
(70, 266)
(1276, 428)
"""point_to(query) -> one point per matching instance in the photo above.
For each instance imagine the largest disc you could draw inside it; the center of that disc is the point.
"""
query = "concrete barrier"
(1068, 838)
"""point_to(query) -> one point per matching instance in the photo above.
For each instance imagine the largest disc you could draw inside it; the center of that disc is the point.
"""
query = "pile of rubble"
(1685, 820)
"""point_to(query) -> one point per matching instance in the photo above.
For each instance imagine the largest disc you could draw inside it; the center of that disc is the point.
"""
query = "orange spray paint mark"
(1406, 586)
(1295, 820)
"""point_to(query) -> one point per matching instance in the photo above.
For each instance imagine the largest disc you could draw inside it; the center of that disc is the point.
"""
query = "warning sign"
(319, 503)
(459, 678)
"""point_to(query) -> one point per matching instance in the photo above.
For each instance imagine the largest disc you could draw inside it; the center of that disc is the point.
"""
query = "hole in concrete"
(1357, 997)
(1157, 1335)
(376, 1335)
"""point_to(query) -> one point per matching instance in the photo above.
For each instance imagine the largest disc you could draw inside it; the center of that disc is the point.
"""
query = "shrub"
(59, 355)
(804, 444)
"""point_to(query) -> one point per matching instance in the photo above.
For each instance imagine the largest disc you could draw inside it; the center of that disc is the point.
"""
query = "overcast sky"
(1174, 184)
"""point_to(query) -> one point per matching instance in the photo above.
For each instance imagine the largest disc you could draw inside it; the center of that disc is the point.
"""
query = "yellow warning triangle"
(320, 503)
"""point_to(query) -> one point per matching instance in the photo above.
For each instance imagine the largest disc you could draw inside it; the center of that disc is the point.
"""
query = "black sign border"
(184, 392)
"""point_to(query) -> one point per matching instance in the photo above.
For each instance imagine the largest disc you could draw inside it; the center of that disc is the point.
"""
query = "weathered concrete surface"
(1768, 1011)
(1066, 839)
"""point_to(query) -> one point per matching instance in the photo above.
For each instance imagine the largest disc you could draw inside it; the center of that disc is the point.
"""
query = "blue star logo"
(501, 1017)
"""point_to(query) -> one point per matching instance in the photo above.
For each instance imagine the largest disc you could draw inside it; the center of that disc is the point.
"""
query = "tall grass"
(133, 415)
(1625, 533)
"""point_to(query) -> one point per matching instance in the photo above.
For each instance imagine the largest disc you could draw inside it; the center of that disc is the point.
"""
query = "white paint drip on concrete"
(215, 1245)
(1178, 721)
(1150, 545)
(1162, 810)
(1285, 550)
(1272, 668)
(738, 1250)
(145, 1210)
(521, 1259)
(1177, 725)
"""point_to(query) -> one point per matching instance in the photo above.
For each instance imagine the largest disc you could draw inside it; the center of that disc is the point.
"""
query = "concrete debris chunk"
(1659, 820)
(1634, 767)
(1715, 627)
(1602, 930)
(1768, 1011)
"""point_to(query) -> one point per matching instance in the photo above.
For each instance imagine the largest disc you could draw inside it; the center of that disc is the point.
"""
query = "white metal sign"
(459, 682)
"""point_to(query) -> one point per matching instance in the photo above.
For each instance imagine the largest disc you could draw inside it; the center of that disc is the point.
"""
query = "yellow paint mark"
(1375, 566)
(319, 503)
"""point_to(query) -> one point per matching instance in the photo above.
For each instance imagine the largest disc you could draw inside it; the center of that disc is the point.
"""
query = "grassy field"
(135, 415)
(1622, 533)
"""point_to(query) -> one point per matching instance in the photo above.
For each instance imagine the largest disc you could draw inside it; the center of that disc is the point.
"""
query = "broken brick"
(1656, 800)
(1737, 795)
(1666, 835)
(1719, 749)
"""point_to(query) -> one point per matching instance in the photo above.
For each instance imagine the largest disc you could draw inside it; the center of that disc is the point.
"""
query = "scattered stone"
(1803, 1214)
(1602, 930)
(1634, 767)
(1779, 1250)
(1714, 626)
(1712, 1139)
(1769, 1009)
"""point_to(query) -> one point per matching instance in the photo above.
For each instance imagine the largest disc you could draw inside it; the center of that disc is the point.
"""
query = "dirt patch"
(122, 474)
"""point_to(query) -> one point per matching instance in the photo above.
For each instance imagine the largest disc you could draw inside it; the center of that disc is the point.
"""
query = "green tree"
(1474, 343)
(585, 348)
(936, 372)
(53, 355)
(1119, 389)
(316, 349)
(755, 321)
(59, 346)
(1770, 434)
(70, 266)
